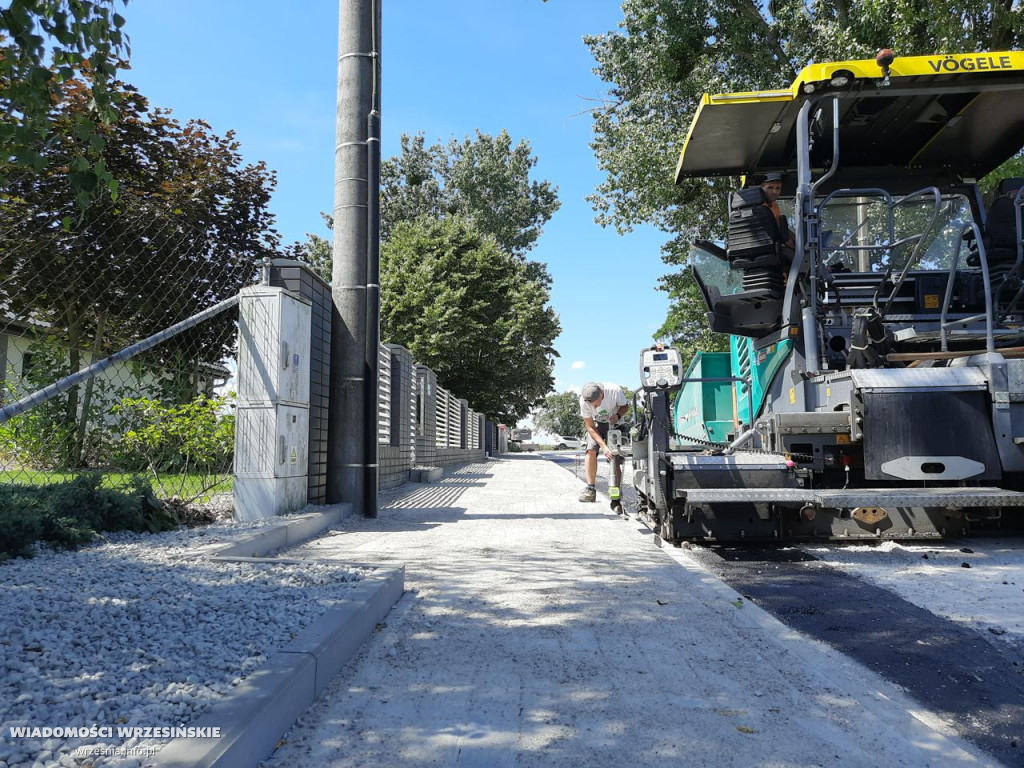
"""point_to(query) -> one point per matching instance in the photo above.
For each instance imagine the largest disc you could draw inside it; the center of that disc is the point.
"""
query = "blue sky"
(268, 71)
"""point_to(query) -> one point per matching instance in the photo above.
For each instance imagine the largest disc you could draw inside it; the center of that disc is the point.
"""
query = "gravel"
(141, 630)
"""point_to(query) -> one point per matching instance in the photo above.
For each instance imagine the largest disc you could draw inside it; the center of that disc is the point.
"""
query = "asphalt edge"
(266, 703)
(929, 727)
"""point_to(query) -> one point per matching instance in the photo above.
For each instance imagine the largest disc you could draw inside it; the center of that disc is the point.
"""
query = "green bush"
(197, 438)
(70, 514)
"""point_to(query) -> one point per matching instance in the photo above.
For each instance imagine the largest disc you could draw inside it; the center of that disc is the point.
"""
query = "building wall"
(127, 379)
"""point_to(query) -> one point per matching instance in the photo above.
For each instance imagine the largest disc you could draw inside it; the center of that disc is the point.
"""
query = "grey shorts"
(602, 430)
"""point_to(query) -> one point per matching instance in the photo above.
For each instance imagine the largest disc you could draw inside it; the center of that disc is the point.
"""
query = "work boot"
(589, 494)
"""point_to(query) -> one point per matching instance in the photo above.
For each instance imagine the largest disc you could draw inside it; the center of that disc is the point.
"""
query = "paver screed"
(540, 631)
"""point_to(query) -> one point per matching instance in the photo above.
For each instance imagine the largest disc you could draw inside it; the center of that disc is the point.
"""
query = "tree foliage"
(668, 52)
(185, 230)
(43, 45)
(482, 180)
(560, 414)
(196, 437)
(470, 311)
(485, 181)
(317, 251)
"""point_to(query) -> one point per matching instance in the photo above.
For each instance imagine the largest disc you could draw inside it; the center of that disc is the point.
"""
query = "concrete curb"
(266, 703)
(425, 474)
(294, 530)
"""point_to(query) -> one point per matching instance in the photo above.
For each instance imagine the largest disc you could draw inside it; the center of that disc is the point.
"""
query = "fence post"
(426, 436)
(397, 452)
(464, 424)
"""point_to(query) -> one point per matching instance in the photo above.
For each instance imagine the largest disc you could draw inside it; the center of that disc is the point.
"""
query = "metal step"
(860, 497)
(919, 497)
(741, 495)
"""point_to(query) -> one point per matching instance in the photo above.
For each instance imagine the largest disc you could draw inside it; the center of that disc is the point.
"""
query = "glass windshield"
(713, 270)
(867, 233)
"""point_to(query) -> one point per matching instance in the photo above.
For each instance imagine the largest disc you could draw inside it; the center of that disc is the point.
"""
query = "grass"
(185, 486)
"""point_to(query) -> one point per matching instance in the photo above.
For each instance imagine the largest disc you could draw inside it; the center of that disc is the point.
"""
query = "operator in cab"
(772, 188)
(600, 405)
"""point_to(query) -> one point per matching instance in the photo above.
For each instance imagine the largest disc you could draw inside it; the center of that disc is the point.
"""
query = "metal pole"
(372, 418)
(350, 370)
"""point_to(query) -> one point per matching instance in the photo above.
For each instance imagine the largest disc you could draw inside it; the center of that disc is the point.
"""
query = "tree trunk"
(1001, 33)
(843, 13)
(83, 419)
(71, 406)
(750, 9)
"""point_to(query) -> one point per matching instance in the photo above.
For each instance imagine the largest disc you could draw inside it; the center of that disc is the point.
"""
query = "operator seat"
(752, 246)
(1001, 234)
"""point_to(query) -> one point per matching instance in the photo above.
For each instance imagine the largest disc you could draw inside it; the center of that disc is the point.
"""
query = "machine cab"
(879, 176)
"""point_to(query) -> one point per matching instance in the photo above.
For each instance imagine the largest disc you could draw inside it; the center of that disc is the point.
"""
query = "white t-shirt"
(614, 398)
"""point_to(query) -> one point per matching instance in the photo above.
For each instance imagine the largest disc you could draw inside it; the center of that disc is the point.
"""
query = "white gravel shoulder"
(141, 630)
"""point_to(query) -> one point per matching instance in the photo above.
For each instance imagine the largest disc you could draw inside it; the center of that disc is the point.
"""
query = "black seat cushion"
(1001, 226)
(753, 231)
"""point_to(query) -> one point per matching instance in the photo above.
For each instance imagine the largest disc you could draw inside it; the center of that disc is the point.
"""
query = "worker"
(772, 188)
(600, 405)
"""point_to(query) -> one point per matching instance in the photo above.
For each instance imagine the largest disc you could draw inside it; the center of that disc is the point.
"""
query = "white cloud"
(578, 365)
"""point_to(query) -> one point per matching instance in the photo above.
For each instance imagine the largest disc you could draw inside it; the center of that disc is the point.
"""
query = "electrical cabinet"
(272, 419)
(273, 347)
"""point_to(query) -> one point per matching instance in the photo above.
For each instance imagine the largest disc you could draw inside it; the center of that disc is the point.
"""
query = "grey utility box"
(272, 421)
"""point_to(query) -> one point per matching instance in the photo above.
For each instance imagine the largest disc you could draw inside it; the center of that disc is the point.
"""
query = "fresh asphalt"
(950, 669)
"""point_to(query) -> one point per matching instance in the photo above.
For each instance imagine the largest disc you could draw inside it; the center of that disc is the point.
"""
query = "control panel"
(660, 368)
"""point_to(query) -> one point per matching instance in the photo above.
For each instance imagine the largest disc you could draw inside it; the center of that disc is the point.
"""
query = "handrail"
(990, 345)
(891, 205)
(835, 149)
(917, 248)
(876, 192)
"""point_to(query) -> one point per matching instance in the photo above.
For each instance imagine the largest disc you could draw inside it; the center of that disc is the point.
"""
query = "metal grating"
(441, 411)
(920, 497)
(861, 497)
(384, 395)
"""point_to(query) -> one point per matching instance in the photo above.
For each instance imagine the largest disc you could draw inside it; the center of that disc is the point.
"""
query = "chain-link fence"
(79, 285)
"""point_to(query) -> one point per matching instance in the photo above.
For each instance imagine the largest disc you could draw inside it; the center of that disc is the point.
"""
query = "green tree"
(668, 52)
(484, 180)
(185, 230)
(471, 312)
(316, 251)
(560, 414)
(43, 45)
